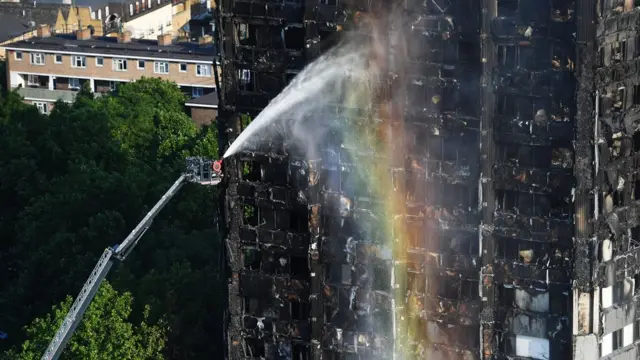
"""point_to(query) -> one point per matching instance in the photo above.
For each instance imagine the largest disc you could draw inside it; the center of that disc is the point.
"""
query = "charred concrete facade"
(614, 51)
(528, 123)
(520, 181)
(295, 291)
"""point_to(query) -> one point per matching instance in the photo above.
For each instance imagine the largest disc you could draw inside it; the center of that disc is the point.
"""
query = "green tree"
(104, 333)
(79, 180)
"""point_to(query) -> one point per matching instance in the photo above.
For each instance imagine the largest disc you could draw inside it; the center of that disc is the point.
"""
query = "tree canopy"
(104, 334)
(78, 180)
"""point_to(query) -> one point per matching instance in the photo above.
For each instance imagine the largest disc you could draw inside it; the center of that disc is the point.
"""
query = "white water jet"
(299, 108)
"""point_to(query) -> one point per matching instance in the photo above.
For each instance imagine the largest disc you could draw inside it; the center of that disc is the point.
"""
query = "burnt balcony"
(288, 11)
(268, 59)
(525, 179)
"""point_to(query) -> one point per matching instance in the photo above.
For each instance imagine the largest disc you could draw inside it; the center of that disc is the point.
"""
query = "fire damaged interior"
(520, 180)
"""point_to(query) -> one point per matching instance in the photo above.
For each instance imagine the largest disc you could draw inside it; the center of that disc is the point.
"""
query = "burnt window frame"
(618, 51)
(246, 80)
(251, 171)
(537, 159)
(503, 55)
(517, 197)
(619, 99)
(291, 42)
(250, 215)
(635, 97)
(255, 263)
(505, 244)
(507, 7)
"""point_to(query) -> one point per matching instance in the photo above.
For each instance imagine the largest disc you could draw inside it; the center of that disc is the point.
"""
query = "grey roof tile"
(41, 13)
(110, 46)
(210, 99)
(11, 27)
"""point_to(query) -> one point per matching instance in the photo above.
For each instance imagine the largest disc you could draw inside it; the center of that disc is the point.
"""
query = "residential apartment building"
(75, 18)
(48, 68)
(522, 131)
(144, 19)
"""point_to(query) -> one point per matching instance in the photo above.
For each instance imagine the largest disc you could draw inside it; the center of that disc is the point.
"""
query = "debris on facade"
(519, 185)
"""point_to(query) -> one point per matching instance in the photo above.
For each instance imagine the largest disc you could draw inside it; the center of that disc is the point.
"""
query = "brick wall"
(106, 71)
(203, 116)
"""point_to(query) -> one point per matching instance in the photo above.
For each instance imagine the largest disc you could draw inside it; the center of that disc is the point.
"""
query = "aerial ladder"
(198, 170)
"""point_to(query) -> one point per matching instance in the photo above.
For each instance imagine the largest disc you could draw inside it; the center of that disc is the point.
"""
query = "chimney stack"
(164, 39)
(44, 31)
(124, 37)
(83, 34)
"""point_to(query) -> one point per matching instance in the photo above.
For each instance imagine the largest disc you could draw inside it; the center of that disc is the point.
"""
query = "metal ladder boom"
(91, 286)
(130, 241)
(79, 306)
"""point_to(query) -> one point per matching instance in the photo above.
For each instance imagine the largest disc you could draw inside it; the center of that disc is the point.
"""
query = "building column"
(92, 85)
(51, 87)
(488, 338)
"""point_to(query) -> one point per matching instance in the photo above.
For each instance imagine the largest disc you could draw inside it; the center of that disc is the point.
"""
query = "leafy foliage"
(79, 180)
(105, 332)
(3, 77)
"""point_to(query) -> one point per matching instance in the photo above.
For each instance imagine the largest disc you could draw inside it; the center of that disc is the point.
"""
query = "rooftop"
(110, 46)
(121, 9)
(39, 13)
(12, 27)
(206, 101)
(92, 3)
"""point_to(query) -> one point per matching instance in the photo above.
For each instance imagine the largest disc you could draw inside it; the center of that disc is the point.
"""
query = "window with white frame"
(58, 59)
(246, 80)
(244, 75)
(37, 59)
(18, 55)
(74, 83)
(33, 80)
(183, 67)
(141, 64)
(100, 61)
(79, 61)
(203, 70)
(161, 67)
(43, 107)
(120, 64)
(197, 92)
(113, 85)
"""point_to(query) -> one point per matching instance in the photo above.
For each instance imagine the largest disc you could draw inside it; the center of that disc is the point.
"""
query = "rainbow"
(371, 120)
(366, 118)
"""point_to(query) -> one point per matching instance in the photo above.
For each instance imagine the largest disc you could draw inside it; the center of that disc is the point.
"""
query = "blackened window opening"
(507, 7)
(294, 38)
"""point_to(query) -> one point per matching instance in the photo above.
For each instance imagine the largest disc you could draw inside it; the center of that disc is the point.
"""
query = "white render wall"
(537, 348)
(152, 24)
(16, 80)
